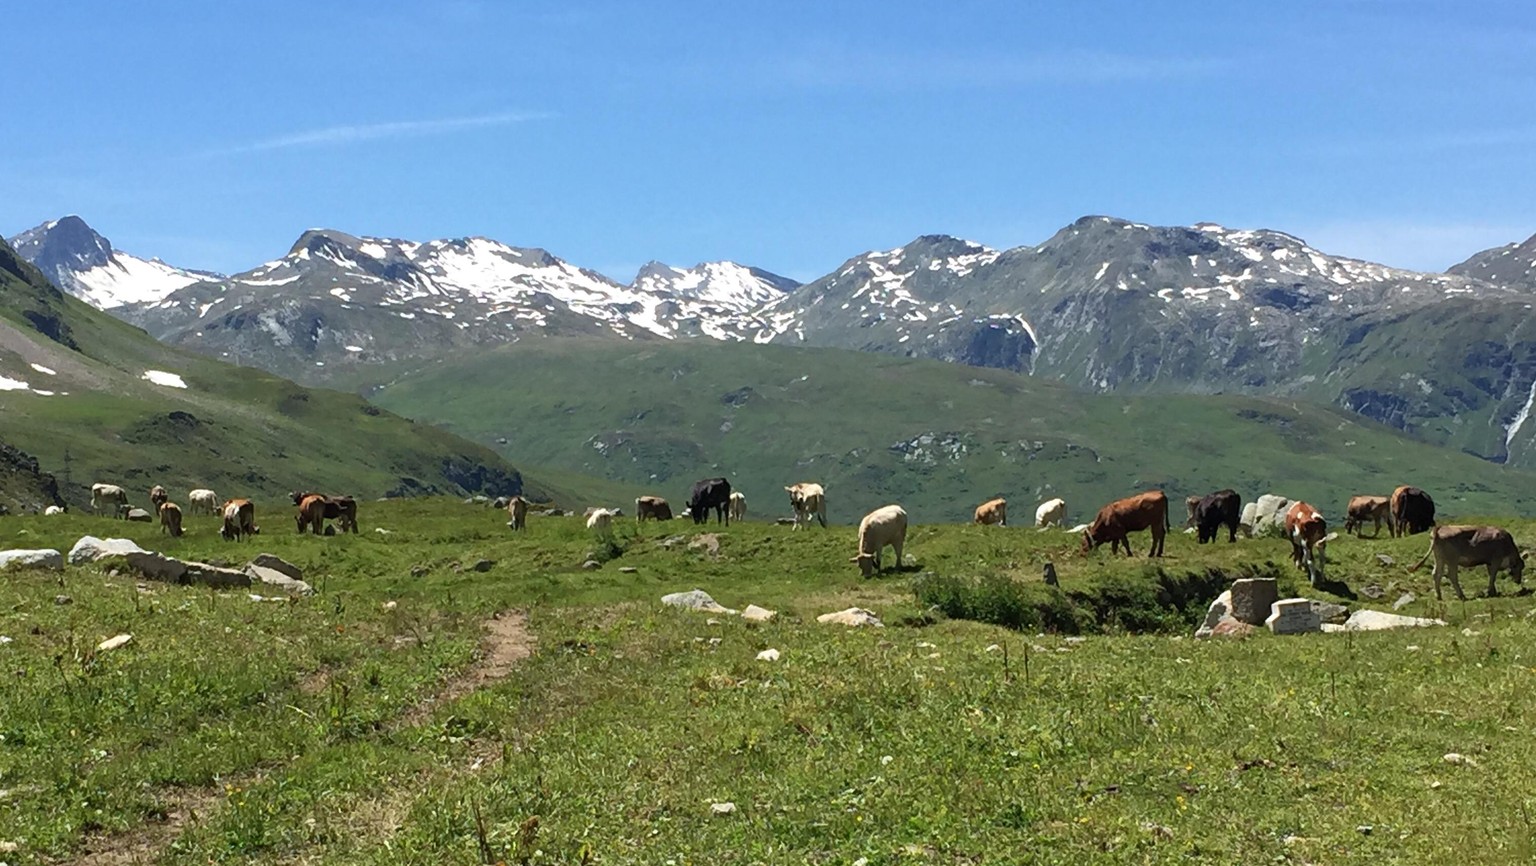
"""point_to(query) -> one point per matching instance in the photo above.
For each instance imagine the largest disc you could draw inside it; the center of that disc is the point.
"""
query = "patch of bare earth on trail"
(181, 806)
(507, 642)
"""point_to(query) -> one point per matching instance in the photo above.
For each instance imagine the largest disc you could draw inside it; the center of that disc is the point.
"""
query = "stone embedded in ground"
(1385, 559)
(1219, 610)
(275, 563)
(168, 569)
(419, 570)
(273, 577)
(482, 565)
(695, 599)
(591, 565)
(113, 643)
(92, 549)
(1232, 628)
(722, 808)
(31, 559)
(1372, 591)
(768, 655)
(1329, 612)
(63, 600)
(1377, 620)
(1252, 599)
(853, 616)
(753, 613)
(139, 515)
(628, 569)
(1293, 616)
(1404, 600)
(708, 542)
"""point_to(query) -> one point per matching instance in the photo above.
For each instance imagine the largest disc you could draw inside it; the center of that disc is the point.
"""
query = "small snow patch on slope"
(41, 369)
(160, 377)
(9, 384)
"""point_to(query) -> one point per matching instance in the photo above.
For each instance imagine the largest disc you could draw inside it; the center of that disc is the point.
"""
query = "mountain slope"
(24, 486)
(85, 392)
(77, 259)
(939, 438)
(1511, 265)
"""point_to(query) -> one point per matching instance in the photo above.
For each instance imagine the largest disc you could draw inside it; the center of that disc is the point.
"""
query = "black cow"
(1222, 508)
(710, 493)
(1412, 510)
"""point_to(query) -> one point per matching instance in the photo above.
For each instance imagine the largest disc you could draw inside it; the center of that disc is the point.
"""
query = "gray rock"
(273, 577)
(93, 549)
(482, 565)
(31, 559)
(1220, 609)
(853, 616)
(1049, 575)
(1372, 591)
(139, 515)
(501, 502)
(1268, 514)
(419, 570)
(1293, 616)
(63, 600)
(267, 560)
(753, 613)
(1253, 598)
(1377, 620)
(168, 569)
(695, 599)
(1329, 612)
(1404, 600)
(591, 565)
(628, 569)
(1385, 559)
(708, 542)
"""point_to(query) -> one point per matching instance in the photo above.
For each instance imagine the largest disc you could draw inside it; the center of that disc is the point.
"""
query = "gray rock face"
(273, 577)
(168, 569)
(1293, 616)
(1329, 612)
(1252, 599)
(277, 564)
(92, 549)
(1269, 514)
(1219, 611)
(18, 559)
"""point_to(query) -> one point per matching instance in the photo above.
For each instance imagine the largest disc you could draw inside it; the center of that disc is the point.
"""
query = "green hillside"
(73, 394)
(939, 438)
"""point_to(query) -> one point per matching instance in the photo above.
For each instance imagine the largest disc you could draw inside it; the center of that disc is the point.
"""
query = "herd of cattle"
(1407, 511)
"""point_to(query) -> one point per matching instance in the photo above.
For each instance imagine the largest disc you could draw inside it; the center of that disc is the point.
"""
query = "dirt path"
(507, 642)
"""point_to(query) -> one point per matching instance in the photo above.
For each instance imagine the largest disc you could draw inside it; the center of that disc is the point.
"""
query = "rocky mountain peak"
(1512, 265)
(64, 244)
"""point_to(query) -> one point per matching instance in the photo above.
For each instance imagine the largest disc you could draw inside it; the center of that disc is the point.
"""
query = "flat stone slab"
(753, 613)
(93, 549)
(1293, 616)
(1253, 598)
(695, 599)
(31, 559)
(1377, 620)
(273, 577)
(275, 563)
(168, 569)
(853, 616)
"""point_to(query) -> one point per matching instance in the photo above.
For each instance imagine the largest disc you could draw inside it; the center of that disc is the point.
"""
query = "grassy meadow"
(392, 717)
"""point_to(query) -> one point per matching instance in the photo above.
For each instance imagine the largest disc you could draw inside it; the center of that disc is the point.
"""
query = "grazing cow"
(1052, 512)
(1192, 505)
(1118, 519)
(202, 501)
(1377, 509)
(1215, 510)
(710, 493)
(239, 520)
(738, 505)
(342, 509)
(652, 508)
(170, 518)
(808, 499)
(601, 523)
(517, 509)
(993, 512)
(109, 494)
(158, 497)
(881, 527)
(1309, 536)
(1469, 546)
(52, 510)
(1412, 511)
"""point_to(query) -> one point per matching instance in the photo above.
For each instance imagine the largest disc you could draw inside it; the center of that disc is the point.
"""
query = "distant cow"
(1118, 519)
(601, 523)
(1377, 509)
(652, 508)
(158, 497)
(1052, 512)
(993, 512)
(1455, 547)
(1191, 505)
(710, 493)
(202, 501)
(109, 494)
(52, 510)
(738, 505)
(170, 518)
(808, 499)
(1215, 510)
(1309, 537)
(517, 509)
(342, 509)
(239, 520)
(881, 527)
(1412, 511)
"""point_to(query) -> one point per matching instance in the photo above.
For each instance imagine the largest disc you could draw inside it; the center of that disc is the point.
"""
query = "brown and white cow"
(808, 499)
(517, 509)
(158, 497)
(652, 508)
(1116, 520)
(1456, 547)
(1309, 536)
(170, 518)
(1413, 511)
(239, 520)
(1376, 509)
(993, 512)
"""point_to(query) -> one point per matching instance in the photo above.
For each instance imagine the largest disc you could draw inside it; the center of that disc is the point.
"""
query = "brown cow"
(1469, 546)
(517, 509)
(158, 497)
(1377, 509)
(170, 518)
(1309, 536)
(239, 520)
(993, 512)
(1116, 520)
(1412, 511)
(342, 509)
(652, 508)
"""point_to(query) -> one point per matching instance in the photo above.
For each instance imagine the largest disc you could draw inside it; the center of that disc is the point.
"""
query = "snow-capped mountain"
(80, 261)
(1512, 264)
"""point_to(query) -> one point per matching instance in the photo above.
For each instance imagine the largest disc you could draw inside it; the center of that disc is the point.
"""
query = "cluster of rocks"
(698, 599)
(265, 569)
(1255, 603)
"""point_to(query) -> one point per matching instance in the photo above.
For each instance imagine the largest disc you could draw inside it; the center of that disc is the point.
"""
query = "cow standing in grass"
(808, 499)
(993, 512)
(1215, 510)
(517, 509)
(1456, 547)
(103, 495)
(1377, 509)
(170, 518)
(710, 493)
(652, 508)
(1052, 512)
(239, 520)
(202, 501)
(1309, 537)
(1118, 519)
(1412, 511)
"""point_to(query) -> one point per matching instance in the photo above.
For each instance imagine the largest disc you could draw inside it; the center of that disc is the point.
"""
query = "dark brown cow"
(1377, 509)
(1412, 511)
(342, 509)
(1215, 510)
(239, 520)
(1470, 546)
(170, 519)
(652, 508)
(1308, 533)
(1147, 510)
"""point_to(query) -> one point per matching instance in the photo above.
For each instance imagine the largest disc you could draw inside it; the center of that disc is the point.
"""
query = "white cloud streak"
(332, 136)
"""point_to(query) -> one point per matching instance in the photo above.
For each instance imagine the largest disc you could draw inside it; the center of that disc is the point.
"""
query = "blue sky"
(786, 135)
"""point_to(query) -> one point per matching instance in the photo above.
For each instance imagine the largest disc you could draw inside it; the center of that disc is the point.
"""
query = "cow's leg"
(1450, 572)
(1493, 569)
(896, 546)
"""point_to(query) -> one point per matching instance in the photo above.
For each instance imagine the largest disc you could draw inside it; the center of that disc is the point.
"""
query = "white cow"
(738, 505)
(202, 501)
(1052, 512)
(887, 525)
(52, 510)
(600, 521)
(809, 500)
(109, 494)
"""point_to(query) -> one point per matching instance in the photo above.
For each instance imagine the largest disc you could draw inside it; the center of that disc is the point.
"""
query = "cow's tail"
(1416, 566)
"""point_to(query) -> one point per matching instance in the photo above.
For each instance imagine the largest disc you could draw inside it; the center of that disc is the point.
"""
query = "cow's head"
(1088, 540)
(866, 563)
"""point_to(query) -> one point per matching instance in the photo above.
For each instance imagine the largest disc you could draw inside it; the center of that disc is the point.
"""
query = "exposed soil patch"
(145, 844)
(507, 642)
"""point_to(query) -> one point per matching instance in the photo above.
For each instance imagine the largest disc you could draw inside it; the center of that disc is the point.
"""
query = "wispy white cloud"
(353, 133)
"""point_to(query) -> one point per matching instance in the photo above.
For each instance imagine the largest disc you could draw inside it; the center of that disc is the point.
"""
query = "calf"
(1052, 512)
(881, 527)
(1118, 519)
(738, 505)
(1455, 547)
(1309, 537)
(1412, 511)
(239, 520)
(517, 509)
(710, 493)
(1377, 509)
(1215, 510)
(808, 499)
(652, 508)
(993, 512)
(170, 518)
